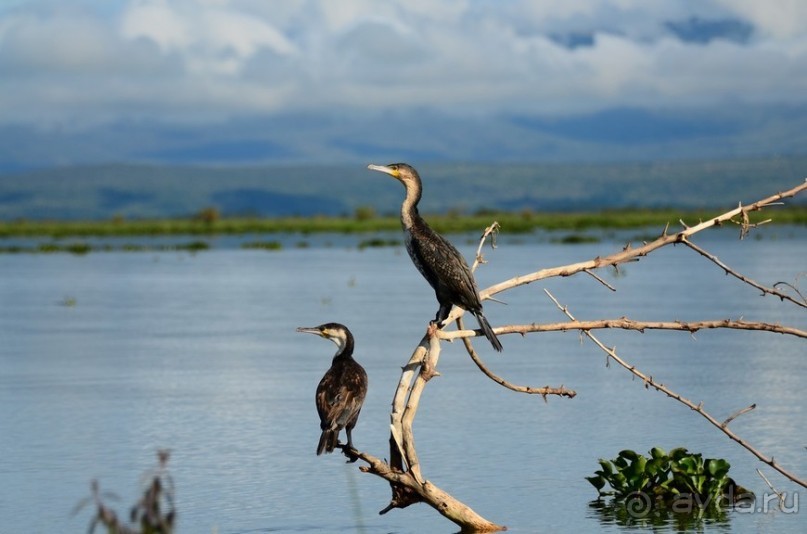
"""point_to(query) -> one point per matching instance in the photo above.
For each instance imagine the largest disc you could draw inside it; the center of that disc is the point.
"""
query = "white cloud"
(779, 19)
(191, 58)
(159, 22)
(213, 37)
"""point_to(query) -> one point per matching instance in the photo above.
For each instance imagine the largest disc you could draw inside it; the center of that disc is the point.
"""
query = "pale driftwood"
(403, 470)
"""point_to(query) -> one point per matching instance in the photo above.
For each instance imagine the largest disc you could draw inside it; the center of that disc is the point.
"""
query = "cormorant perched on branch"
(437, 260)
(341, 391)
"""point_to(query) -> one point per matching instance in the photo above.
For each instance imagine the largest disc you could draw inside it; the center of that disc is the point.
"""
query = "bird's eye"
(393, 167)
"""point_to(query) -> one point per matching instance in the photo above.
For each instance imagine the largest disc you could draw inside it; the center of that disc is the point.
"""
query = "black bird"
(341, 391)
(437, 260)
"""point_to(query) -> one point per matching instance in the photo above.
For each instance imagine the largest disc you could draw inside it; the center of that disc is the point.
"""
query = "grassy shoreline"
(76, 237)
(512, 223)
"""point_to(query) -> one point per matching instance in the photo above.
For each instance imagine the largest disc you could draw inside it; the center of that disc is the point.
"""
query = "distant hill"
(336, 136)
(149, 191)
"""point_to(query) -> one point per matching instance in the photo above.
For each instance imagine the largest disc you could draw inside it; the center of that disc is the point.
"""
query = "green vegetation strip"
(511, 223)
(80, 248)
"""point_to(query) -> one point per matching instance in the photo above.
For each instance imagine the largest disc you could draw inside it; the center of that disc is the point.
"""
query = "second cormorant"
(437, 260)
(340, 393)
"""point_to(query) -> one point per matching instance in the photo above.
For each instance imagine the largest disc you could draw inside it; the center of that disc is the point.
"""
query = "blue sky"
(101, 80)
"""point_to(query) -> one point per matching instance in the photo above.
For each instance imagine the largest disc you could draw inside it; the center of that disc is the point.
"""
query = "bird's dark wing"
(327, 394)
(444, 267)
(340, 395)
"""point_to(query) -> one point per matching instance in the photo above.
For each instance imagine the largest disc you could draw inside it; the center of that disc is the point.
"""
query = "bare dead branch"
(746, 225)
(779, 494)
(407, 491)
(794, 288)
(624, 323)
(491, 231)
(423, 376)
(632, 254)
(599, 279)
(403, 472)
(739, 276)
(649, 382)
(399, 402)
(737, 414)
(544, 391)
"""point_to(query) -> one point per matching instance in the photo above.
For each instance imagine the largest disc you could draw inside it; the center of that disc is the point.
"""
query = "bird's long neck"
(345, 350)
(409, 208)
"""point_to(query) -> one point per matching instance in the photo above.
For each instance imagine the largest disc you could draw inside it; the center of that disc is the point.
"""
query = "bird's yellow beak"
(383, 168)
(311, 330)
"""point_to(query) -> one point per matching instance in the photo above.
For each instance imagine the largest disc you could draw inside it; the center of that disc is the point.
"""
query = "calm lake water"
(107, 357)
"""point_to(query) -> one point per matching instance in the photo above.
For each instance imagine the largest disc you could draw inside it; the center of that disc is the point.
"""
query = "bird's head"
(338, 333)
(402, 172)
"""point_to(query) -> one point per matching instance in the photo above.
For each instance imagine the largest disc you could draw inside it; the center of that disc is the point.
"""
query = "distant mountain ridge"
(615, 134)
(159, 191)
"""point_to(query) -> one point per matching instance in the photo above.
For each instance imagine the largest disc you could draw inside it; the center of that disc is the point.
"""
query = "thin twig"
(794, 288)
(600, 280)
(544, 391)
(739, 276)
(649, 382)
(779, 494)
(746, 225)
(737, 414)
(491, 231)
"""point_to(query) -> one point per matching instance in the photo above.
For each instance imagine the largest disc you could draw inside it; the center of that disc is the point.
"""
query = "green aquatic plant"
(575, 239)
(79, 249)
(378, 242)
(262, 245)
(678, 481)
(193, 246)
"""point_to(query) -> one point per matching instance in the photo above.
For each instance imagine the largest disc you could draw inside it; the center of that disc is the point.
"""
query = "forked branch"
(403, 470)
(543, 392)
(491, 232)
(728, 270)
(632, 254)
(649, 382)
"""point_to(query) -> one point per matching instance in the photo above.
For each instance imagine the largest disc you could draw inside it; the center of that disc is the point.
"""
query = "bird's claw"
(433, 327)
(351, 453)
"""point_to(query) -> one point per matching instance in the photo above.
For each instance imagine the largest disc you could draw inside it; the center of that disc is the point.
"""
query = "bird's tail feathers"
(488, 331)
(327, 441)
